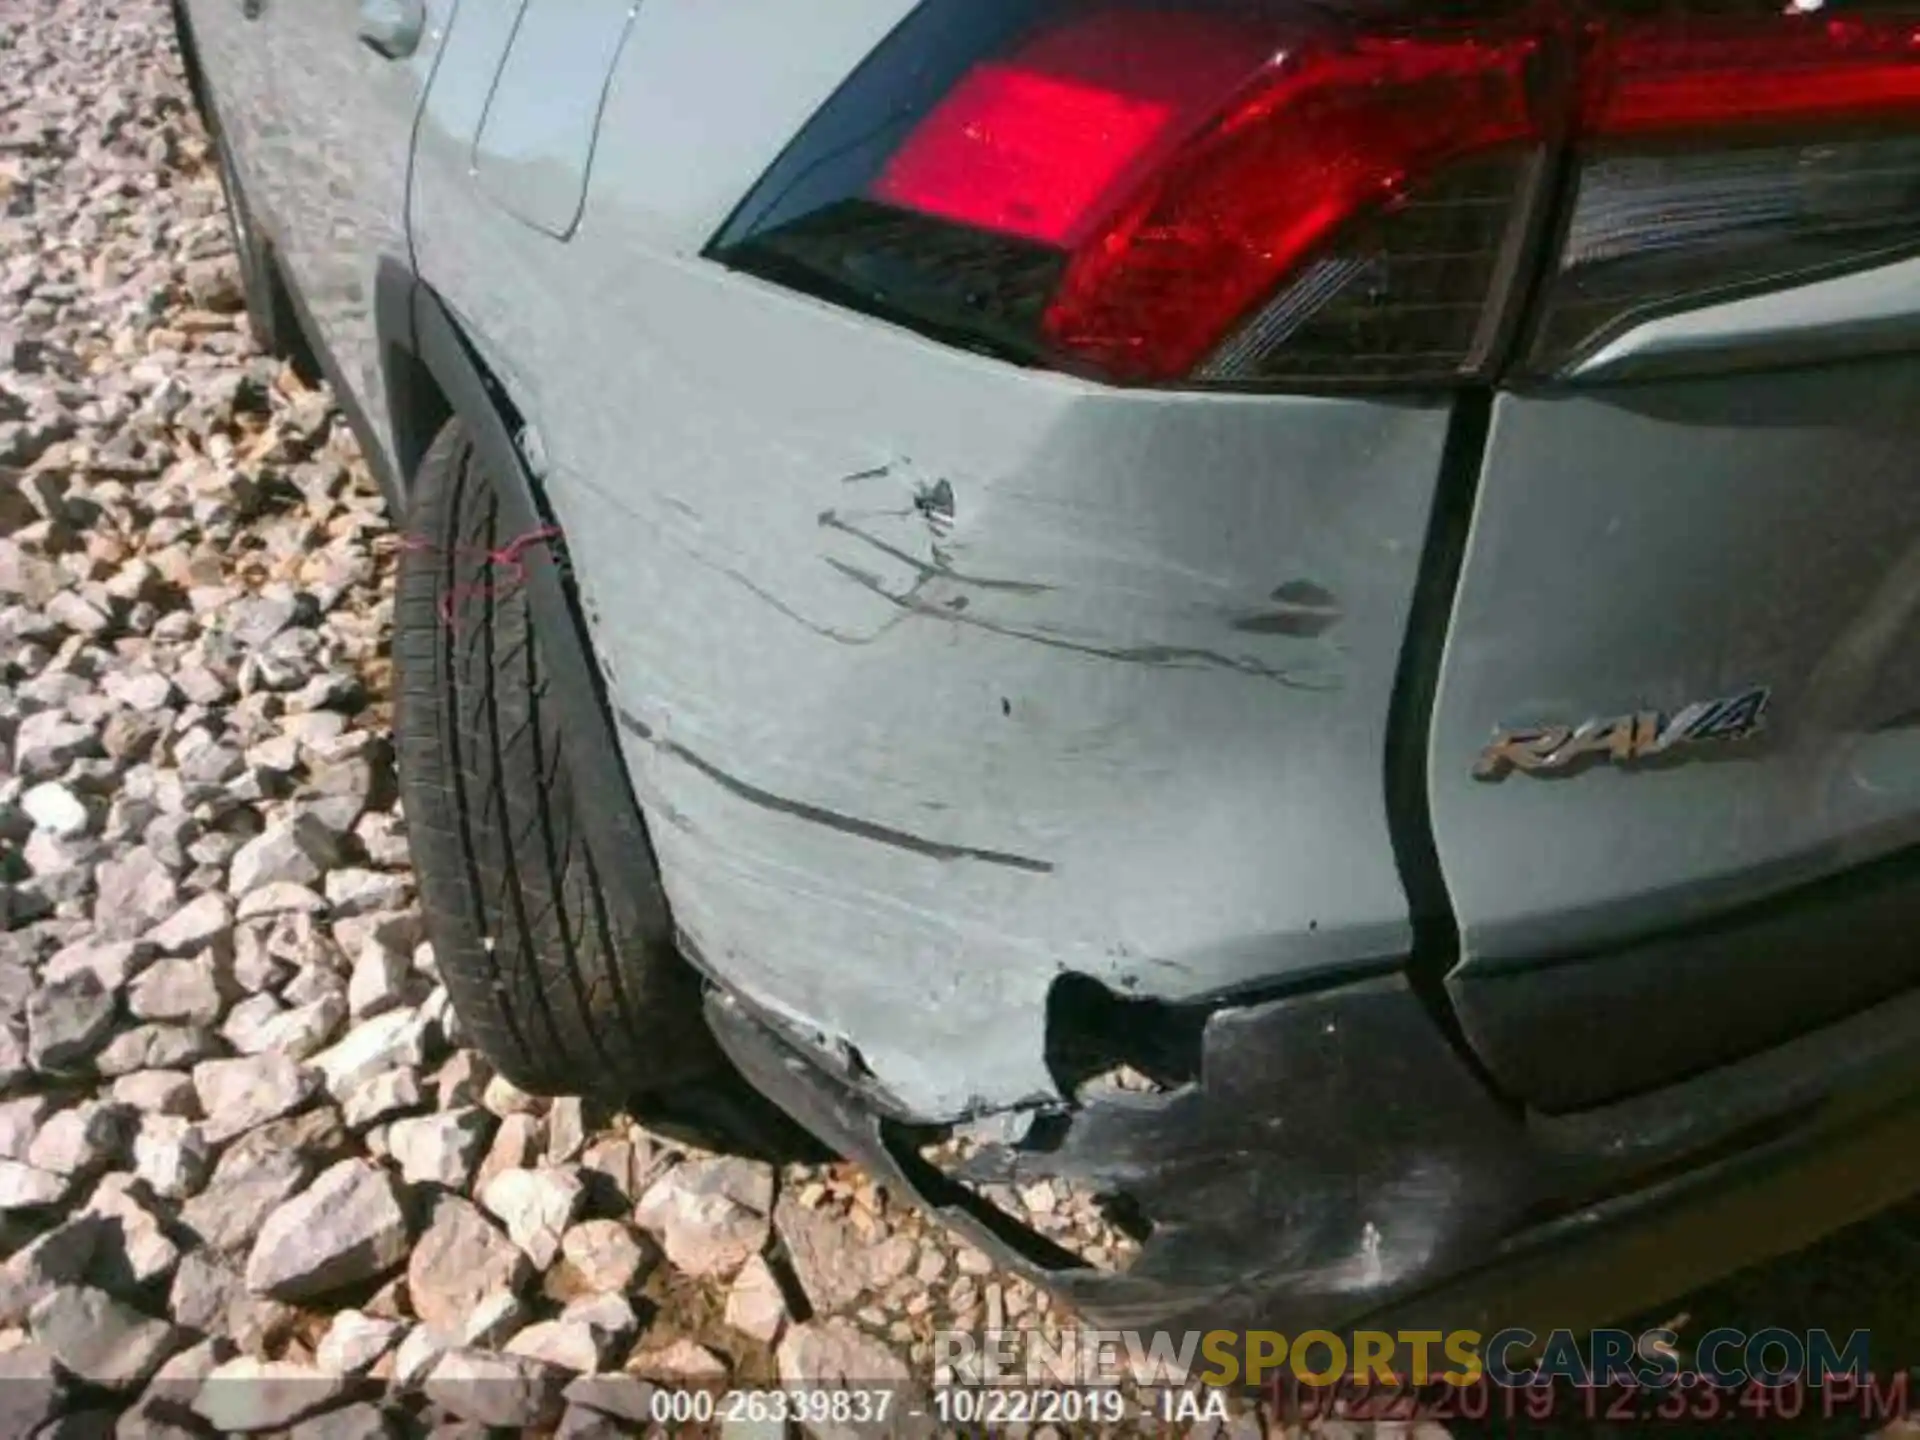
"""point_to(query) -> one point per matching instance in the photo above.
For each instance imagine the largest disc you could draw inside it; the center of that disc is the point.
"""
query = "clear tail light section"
(1293, 194)
(1729, 150)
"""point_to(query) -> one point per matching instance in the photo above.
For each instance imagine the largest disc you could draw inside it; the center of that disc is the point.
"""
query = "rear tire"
(564, 982)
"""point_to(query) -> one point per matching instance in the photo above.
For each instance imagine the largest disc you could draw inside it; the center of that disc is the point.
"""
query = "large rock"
(20, 1121)
(381, 976)
(100, 1340)
(172, 1155)
(414, 1360)
(187, 991)
(155, 1047)
(495, 1320)
(164, 1410)
(381, 1097)
(365, 892)
(565, 1344)
(245, 1027)
(682, 1361)
(625, 1397)
(354, 1341)
(619, 1171)
(67, 1021)
(347, 1227)
(395, 1038)
(54, 808)
(246, 1394)
(112, 962)
(136, 892)
(157, 1092)
(238, 1095)
(301, 1032)
(134, 1250)
(497, 1390)
(204, 922)
(22, 1187)
(603, 1256)
(440, 1149)
(47, 742)
(536, 1206)
(516, 1146)
(835, 1355)
(279, 898)
(295, 851)
(81, 1140)
(211, 1297)
(710, 1215)
(460, 1259)
(613, 1316)
(32, 1391)
(61, 1256)
(256, 1175)
(828, 1259)
(756, 1305)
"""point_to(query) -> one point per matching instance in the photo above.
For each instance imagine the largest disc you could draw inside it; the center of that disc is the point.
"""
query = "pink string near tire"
(509, 558)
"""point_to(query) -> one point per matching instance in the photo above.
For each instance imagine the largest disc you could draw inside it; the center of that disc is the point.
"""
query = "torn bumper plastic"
(1336, 1162)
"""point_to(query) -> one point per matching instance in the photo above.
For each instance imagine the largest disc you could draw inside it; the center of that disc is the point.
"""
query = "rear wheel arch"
(418, 403)
(438, 377)
(434, 374)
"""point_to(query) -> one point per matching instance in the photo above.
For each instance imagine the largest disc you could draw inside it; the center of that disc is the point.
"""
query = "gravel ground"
(240, 1138)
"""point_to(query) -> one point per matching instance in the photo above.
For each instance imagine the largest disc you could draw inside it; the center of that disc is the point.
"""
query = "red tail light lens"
(1037, 144)
(1278, 191)
(1689, 75)
(1119, 186)
(1321, 136)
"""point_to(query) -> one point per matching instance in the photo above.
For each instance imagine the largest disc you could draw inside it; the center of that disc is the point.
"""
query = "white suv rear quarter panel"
(901, 773)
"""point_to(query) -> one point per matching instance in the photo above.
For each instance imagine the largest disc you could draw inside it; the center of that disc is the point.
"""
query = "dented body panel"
(905, 766)
(939, 678)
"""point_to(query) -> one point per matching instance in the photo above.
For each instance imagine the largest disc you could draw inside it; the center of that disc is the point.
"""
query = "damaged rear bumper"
(1336, 1163)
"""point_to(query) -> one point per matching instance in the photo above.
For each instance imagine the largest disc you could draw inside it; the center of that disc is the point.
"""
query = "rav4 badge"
(1643, 736)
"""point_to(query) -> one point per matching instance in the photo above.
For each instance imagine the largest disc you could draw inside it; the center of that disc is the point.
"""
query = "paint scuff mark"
(1306, 610)
(1182, 657)
(1905, 720)
(825, 632)
(936, 503)
(846, 824)
(833, 520)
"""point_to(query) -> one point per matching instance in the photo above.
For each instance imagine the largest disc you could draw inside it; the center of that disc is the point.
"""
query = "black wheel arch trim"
(427, 352)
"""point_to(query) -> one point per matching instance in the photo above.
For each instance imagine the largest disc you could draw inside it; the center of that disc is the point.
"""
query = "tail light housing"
(1728, 150)
(1283, 193)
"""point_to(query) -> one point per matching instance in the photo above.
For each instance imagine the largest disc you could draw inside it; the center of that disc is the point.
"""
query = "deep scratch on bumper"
(846, 824)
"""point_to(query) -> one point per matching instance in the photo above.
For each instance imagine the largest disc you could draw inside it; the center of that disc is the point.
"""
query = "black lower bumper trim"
(1337, 1164)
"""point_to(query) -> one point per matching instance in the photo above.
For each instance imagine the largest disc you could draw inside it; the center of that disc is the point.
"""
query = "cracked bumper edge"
(1337, 1164)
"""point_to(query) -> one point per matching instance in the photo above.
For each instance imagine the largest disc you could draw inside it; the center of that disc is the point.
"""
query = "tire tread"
(530, 947)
